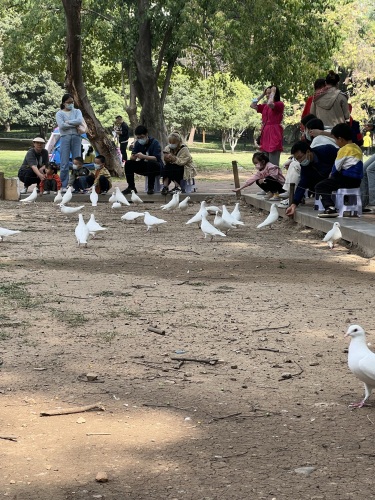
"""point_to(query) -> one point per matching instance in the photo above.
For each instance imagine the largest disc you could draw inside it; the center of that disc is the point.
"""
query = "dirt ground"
(260, 304)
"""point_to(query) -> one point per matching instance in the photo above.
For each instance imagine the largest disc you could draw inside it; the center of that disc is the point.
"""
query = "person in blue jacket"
(144, 160)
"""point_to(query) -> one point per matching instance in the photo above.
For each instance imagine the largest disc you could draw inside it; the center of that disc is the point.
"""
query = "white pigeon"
(229, 218)
(361, 361)
(212, 209)
(82, 231)
(236, 212)
(94, 227)
(112, 198)
(151, 221)
(94, 197)
(67, 196)
(58, 198)
(70, 210)
(333, 235)
(120, 198)
(135, 198)
(173, 204)
(183, 205)
(116, 205)
(222, 224)
(198, 216)
(6, 232)
(32, 197)
(272, 217)
(209, 229)
(132, 216)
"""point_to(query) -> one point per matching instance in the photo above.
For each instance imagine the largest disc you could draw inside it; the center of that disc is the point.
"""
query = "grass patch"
(4, 335)
(107, 337)
(16, 292)
(130, 312)
(70, 317)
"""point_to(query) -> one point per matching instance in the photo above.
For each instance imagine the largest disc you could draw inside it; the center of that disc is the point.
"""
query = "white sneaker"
(46, 192)
(261, 193)
(283, 204)
(24, 190)
(284, 195)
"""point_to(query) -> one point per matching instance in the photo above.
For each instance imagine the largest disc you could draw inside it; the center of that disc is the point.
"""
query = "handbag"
(82, 129)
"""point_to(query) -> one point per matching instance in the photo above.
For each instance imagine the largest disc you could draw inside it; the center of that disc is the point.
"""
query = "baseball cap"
(39, 139)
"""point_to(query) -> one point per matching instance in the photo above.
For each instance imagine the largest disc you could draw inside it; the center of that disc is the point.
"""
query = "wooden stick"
(2, 186)
(271, 328)
(196, 360)
(156, 330)
(292, 188)
(68, 411)
(9, 438)
(236, 178)
(98, 434)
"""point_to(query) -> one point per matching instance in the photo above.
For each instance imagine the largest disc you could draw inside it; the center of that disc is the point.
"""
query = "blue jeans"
(68, 144)
(368, 182)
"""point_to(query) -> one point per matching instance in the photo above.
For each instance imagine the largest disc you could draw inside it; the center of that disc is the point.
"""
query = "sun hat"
(39, 139)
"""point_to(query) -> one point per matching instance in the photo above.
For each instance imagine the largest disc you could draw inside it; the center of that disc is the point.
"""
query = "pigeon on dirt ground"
(132, 216)
(152, 221)
(94, 227)
(116, 205)
(222, 224)
(32, 197)
(82, 231)
(236, 212)
(58, 198)
(183, 205)
(120, 198)
(209, 230)
(212, 209)
(6, 232)
(112, 198)
(361, 361)
(67, 196)
(333, 236)
(135, 198)
(94, 197)
(70, 210)
(173, 204)
(229, 218)
(198, 216)
(272, 217)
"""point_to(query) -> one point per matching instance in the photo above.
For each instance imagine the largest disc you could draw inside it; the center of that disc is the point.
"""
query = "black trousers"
(324, 188)
(28, 176)
(123, 149)
(148, 168)
(173, 172)
(103, 182)
(50, 185)
(271, 184)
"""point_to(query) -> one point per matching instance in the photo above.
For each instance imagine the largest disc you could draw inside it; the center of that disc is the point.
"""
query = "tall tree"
(75, 85)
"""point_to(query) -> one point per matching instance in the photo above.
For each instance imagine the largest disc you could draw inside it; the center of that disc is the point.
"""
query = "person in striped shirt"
(347, 170)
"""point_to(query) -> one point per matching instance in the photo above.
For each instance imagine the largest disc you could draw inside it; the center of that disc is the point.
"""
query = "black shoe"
(329, 212)
(164, 190)
(129, 190)
(150, 191)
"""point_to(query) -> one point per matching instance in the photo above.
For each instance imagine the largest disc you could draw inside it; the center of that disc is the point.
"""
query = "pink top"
(270, 170)
(272, 131)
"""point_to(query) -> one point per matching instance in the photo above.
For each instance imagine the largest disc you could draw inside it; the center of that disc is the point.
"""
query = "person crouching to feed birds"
(267, 176)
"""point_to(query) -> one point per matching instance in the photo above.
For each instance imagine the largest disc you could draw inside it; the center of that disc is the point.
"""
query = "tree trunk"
(131, 108)
(146, 82)
(191, 136)
(204, 136)
(224, 138)
(74, 84)
(7, 126)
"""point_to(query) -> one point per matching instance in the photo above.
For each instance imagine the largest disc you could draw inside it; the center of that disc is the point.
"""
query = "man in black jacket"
(122, 132)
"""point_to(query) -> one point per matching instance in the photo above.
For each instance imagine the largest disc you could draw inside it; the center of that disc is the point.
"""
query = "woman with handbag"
(271, 135)
(71, 126)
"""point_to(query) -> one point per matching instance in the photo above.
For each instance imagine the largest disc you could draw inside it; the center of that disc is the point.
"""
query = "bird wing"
(367, 367)
(329, 235)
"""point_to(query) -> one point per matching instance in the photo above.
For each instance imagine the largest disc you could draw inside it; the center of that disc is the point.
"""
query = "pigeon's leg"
(363, 403)
(211, 238)
(157, 229)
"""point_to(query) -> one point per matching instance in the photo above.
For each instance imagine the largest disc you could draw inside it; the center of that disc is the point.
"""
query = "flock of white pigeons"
(361, 359)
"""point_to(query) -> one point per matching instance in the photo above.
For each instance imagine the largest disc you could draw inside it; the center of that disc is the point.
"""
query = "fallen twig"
(370, 419)
(98, 434)
(152, 405)
(156, 330)
(196, 360)
(227, 416)
(9, 438)
(271, 328)
(293, 374)
(220, 457)
(267, 349)
(176, 250)
(67, 411)
(83, 378)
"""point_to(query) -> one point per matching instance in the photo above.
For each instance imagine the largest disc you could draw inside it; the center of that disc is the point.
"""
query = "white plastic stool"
(348, 200)
(188, 186)
(318, 203)
(157, 186)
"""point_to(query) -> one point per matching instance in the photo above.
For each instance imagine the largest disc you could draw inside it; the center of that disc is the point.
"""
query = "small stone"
(80, 420)
(331, 336)
(244, 386)
(101, 477)
(319, 355)
(304, 470)
(91, 376)
(12, 481)
(286, 375)
(234, 367)
(314, 364)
